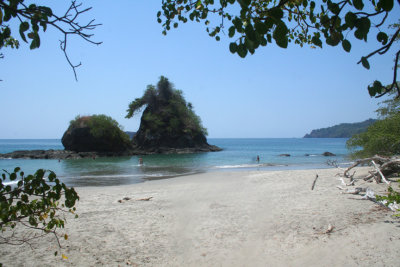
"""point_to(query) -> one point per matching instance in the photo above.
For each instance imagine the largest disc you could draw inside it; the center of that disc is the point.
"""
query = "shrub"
(33, 203)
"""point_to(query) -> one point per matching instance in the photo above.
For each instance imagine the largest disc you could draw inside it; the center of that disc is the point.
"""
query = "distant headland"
(343, 130)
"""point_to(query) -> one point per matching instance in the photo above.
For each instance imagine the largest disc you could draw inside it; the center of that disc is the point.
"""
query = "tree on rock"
(96, 133)
(168, 121)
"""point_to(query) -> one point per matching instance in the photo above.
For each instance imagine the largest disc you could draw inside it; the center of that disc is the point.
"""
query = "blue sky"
(273, 93)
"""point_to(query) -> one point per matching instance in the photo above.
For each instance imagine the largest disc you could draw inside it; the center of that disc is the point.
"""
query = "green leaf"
(23, 27)
(250, 32)
(244, 3)
(231, 31)
(382, 38)
(358, 34)
(346, 45)
(261, 28)
(316, 41)
(363, 25)
(386, 5)
(350, 19)
(333, 7)
(376, 88)
(276, 13)
(365, 63)
(280, 36)
(358, 4)
(371, 91)
(1, 17)
(238, 23)
(333, 39)
(242, 50)
(233, 48)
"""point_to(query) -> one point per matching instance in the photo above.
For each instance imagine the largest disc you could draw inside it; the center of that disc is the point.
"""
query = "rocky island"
(168, 124)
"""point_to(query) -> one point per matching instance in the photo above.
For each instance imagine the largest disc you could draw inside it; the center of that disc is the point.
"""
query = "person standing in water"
(258, 159)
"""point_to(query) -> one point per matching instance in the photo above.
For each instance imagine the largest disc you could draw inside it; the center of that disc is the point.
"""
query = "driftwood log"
(384, 167)
(315, 180)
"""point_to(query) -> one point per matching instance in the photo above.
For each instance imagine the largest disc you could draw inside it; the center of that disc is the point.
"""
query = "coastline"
(253, 218)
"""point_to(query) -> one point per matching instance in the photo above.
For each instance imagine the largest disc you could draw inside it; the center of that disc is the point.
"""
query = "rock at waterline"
(96, 133)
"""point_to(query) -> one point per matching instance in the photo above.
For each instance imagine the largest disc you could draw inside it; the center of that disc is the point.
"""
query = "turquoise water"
(238, 154)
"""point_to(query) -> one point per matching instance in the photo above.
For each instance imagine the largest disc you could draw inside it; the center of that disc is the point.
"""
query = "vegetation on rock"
(95, 133)
(167, 120)
(343, 130)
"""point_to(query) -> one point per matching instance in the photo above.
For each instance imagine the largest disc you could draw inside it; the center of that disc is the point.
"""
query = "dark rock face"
(328, 154)
(150, 141)
(81, 140)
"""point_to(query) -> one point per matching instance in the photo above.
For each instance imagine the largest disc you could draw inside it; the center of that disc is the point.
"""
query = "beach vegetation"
(37, 202)
(383, 136)
(392, 197)
(254, 24)
(166, 111)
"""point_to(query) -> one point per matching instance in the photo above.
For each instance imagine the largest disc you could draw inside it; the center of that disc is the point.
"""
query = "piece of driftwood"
(384, 166)
(353, 191)
(330, 229)
(380, 173)
(145, 199)
(315, 180)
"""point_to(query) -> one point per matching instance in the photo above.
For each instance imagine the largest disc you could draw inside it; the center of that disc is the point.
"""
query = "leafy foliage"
(382, 137)
(33, 203)
(166, 110)
(32, 18)
(101, 126)
(389, 106)
(343, 130)
(393, 197)
(256, 23)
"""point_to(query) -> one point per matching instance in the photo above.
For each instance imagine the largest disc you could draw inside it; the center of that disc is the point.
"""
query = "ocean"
(238, 154)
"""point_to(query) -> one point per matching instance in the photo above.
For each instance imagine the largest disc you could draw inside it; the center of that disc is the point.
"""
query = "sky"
(274, 93)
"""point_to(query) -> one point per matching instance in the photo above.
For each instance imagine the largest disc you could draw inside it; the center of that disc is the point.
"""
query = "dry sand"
(253, 218)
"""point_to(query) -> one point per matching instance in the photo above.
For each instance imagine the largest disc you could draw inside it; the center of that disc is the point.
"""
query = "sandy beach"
(257, 218)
